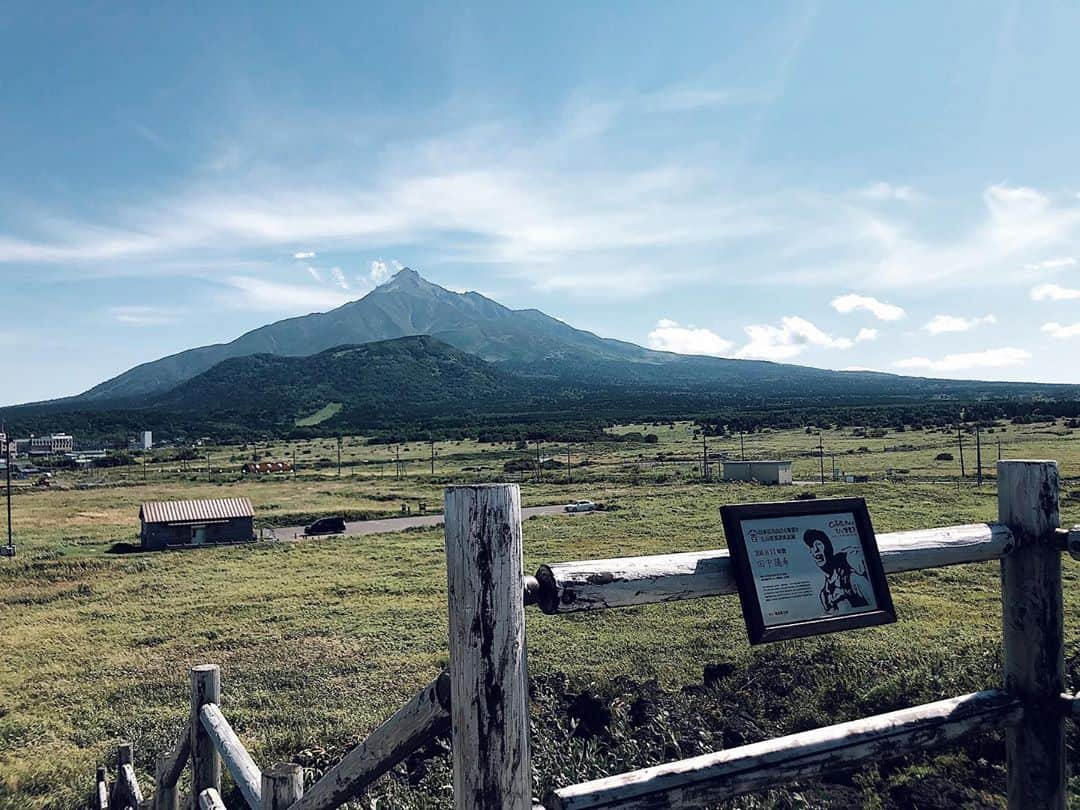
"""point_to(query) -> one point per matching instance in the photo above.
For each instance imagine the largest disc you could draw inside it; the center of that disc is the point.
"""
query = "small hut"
(764, 472)
(196, 523)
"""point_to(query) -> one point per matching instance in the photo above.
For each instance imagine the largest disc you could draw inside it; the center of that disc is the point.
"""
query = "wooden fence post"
(1033, 634)
(489, 703)
(282, 785)
(205, 761)
(101, 790)
(166, 796)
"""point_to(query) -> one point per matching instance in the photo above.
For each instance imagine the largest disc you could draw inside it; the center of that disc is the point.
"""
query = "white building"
(764, 472)
(53, 444)
(146, 439)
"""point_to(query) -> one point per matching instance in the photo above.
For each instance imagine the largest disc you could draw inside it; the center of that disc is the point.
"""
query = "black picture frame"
(733, 518)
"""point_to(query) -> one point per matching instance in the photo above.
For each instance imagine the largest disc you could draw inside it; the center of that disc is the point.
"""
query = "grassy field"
(321, 640)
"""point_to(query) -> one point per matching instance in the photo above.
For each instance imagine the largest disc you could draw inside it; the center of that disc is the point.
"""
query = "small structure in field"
(764, 472)
(196, 523)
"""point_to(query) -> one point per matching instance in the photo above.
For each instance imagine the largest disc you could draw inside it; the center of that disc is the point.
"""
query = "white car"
(580, 506)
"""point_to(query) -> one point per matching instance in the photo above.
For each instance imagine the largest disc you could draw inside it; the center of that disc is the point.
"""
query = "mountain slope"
(404, 377)
(406, 305)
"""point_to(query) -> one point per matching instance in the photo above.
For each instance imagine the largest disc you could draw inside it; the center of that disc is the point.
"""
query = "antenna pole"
(7, 469)
(821, 456)
(978, 453)
(960, 440)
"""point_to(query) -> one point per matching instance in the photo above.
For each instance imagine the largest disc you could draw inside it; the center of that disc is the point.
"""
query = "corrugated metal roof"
(196, 511)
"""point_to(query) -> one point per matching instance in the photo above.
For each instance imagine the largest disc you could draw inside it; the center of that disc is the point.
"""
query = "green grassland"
(320, 640)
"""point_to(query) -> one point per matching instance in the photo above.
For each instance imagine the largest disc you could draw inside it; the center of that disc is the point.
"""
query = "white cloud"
(304, 254)
(794, 336)
(1061, 331)
(146, 315)
(879, 309)
(881, 191)
(688, 99)
(990, 358)
(271, 296)
(314, 273)
(940, 324)
(1054, 292)
(339, 278)
(1051, 264)
(669, 336)
(865, 335)
(380, 271)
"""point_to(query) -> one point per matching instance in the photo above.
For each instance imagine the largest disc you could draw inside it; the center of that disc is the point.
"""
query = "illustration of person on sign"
(839, 590)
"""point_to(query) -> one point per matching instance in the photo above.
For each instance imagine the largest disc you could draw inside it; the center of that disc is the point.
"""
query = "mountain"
(411, 353)
(406, 305)
(533, 345)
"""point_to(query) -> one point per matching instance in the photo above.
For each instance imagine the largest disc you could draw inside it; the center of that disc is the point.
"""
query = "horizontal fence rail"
(629, 581)
(416, 723)
(210, 799)
(694, 782)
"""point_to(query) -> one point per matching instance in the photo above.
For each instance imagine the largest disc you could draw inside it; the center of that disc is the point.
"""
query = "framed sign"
(806, 567)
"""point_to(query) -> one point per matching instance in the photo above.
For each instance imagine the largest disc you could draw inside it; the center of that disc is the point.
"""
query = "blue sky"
(845, 185)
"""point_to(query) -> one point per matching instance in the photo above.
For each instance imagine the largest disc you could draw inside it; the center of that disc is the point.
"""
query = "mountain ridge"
(406, 305)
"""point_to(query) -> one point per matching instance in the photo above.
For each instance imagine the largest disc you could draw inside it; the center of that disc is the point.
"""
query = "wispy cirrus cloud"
(146, 315)
(338, 276)
(1051, 264)
(1054, 292)
(967, 361)
(882, 192)
(1060, 331)
(247, 292)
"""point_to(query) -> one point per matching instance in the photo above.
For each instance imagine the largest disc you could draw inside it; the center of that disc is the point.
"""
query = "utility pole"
(978, 454)
(10, 550)
(742, 447)
(999, 449)
(704, 456)
(568, 462)
(833, 466)
(960, 440)
(339, 457)
(821, 456)
(432, 441)
(539, 464)
(209, 476)
(294, 462)
(397, 461)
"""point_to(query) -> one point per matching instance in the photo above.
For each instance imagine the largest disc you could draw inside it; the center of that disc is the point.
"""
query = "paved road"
(397, 524)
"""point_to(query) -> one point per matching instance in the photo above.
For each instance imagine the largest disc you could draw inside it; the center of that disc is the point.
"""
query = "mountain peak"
(407, 277)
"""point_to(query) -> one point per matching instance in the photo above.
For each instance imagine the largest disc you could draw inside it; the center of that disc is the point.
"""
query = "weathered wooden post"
(282, 785)
(489, 703)
(166, 795)
(1033, 633)
(205, 761)
(101, 790)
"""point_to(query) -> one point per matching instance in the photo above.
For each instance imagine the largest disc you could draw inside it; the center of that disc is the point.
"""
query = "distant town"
(59, 450)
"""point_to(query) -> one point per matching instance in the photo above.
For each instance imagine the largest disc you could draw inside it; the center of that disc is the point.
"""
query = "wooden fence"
(483, 699)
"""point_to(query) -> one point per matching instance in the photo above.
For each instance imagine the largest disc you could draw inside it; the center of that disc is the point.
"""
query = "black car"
(326, 525)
